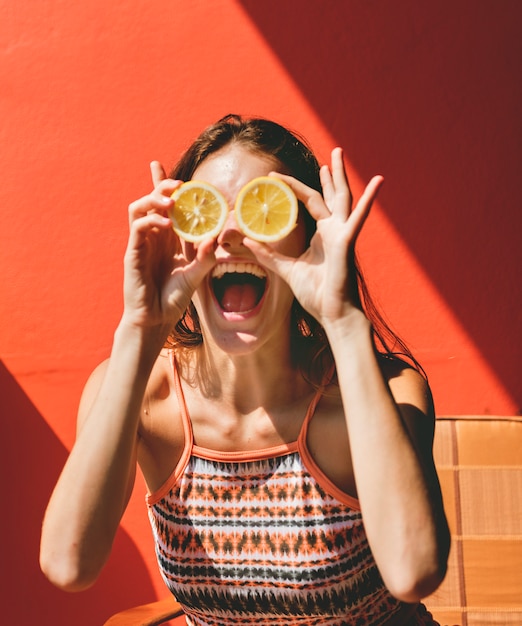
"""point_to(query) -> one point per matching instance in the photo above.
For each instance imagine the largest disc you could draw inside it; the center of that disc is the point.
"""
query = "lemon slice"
(266, 209)
(199, 211)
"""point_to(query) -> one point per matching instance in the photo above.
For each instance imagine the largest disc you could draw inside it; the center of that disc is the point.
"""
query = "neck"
(260, 379)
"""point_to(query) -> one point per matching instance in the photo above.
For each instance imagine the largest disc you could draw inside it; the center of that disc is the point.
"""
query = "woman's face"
(241, 305)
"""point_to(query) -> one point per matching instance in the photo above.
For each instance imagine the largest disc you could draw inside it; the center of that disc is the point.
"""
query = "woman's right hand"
(158, 279)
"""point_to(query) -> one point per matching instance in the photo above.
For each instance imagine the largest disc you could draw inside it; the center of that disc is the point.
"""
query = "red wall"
(428, 94)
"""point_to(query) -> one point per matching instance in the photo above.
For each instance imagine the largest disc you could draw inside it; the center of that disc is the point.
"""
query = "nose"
(231, 235)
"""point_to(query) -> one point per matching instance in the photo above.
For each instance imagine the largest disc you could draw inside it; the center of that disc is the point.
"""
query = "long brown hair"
(310, 349)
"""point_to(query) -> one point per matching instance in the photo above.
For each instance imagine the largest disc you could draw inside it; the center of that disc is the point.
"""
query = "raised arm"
(390, 421)
(94, 487)
(388, 410)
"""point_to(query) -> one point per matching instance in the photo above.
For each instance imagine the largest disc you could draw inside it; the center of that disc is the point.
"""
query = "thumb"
(272, 260)
(201, 264)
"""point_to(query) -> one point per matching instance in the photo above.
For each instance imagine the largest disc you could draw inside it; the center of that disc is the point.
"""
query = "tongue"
(239, 298)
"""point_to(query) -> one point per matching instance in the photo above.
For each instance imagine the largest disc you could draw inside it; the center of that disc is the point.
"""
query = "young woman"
(286, 448)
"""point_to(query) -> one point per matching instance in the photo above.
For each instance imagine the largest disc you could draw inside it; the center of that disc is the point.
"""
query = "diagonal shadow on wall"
(428, 94)
(31, 460)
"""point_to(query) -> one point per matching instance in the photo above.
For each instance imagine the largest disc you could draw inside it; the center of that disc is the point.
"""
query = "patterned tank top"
(265, 538)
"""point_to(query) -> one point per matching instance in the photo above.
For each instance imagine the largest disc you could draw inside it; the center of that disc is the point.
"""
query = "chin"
(241, 308)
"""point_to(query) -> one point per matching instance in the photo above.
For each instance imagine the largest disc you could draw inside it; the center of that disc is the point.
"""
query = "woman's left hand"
(320, 278)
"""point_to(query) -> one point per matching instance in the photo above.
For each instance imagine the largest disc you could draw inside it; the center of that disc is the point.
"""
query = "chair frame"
(152, 614)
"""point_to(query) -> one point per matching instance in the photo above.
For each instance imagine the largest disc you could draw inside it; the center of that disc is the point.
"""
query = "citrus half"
(199, 211)
(266, 209)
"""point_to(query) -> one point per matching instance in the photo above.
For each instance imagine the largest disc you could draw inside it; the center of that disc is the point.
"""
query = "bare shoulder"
(160, 403)
(412, 394)
(157, 386)
(161, 429)
(161, 378)
(407, 384)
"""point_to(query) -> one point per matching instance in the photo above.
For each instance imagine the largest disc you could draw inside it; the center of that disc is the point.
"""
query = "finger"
(191, 250)
(327, 186)
(343, 196)
(158, 201)
(311, 198)
(157, 172)
(142, 227)
(363, 207)
(152, 203)
(340, 178)
(165, 188)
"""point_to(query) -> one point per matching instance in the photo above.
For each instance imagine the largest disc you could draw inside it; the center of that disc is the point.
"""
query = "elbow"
(71, 559)
(66, 572)
(422, 577)
(414, 588)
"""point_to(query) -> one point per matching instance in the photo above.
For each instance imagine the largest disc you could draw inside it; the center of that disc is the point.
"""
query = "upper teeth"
(239, 268)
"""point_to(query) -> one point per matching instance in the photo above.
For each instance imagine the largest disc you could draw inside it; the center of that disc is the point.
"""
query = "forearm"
(91, 494)
(397, 487)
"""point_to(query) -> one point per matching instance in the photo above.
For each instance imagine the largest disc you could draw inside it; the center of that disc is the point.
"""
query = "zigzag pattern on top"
(261, 542)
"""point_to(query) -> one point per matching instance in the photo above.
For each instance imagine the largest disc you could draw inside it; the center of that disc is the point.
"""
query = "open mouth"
(238, 287)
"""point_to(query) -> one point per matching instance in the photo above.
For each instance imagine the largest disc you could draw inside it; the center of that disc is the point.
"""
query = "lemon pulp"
(199, 211)
(266, 209)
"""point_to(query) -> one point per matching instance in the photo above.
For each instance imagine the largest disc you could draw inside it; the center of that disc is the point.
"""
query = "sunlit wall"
(427, 94)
